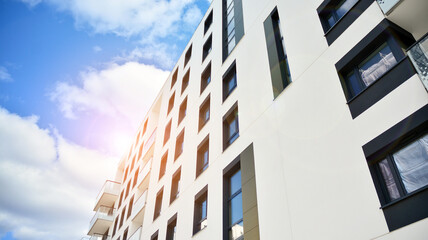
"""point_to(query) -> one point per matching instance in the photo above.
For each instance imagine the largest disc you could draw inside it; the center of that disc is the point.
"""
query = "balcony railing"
(102, 220)
(144, 172)
(418, 54)
(387, 5)
(136, 235)
(139, 205)
(108, 194)
(97, 236)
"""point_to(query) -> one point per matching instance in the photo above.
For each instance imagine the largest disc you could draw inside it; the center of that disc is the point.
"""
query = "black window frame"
(206, 77)
(179, 145)
(200, 198)
(398, 39)
(229, 75)
(208, 22)
(188, 55)
(171, 228)
(207, 48)
(230, 117)
(174, 78)
(410, 207)
(171, 103)
(175, 186)
(182, 111)
(185, 81)
(158, 204)
(203, 109)
(155, 235)
(203, 147)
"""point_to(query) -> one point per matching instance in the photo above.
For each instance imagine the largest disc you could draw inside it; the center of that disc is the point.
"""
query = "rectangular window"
(158, 204)
(206, 77)
(175, 185)
(132, 163)
(202, 156)
(114, 226)
(171, 103)
(179, 145)
(131, 204)
(145, 125)
(229, 81)
(122, 218)
(279, 70)
(128, 186)
(233, 25)
(135, 178)
(162, 167)
(183, 110)
(185, 82)
(207, 48)
(200, 210)
(167, 133)
(155, 235)
(140, 151)
(171, 230)
(208, 22)
(336, 11)
(120, 199)
(125, 234)
(126, 173)
(174, 78)
(187, 56)
(204, 112)
(230, 126)
(235, 219)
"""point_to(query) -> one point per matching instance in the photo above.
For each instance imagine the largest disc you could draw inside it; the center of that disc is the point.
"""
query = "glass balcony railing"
(102, 220)
(144, 172)
(387, 5)
(110, 188)
(136, 235)
(418, 54)
(139, 204)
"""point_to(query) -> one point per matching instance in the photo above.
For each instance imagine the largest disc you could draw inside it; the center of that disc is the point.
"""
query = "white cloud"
(5, 75)
(192, 16)
(51, 195)
(97, 49)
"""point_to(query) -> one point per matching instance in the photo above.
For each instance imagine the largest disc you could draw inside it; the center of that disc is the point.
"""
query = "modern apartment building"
(284, 119)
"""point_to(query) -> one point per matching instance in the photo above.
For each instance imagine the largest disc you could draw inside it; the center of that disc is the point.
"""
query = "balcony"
(408, 14)
(102, 220)
(418, 54)
(108, 194)
(143, 180)
(136, 235)
(97, 236)
(137, 214)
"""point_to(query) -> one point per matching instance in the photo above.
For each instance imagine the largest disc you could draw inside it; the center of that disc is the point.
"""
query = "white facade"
(313, 180)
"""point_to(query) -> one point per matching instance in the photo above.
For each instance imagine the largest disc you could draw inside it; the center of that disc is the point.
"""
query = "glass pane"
(208, 80)
(389, 179)
(231, 84)
(377, 64)
(235, 209)
(237, 231)
(345, 7)
(231, 45)
(204, 209)
(231, 35)
(205, 157)
(230, 16)
(330, 20)
(230, 27)
(412, 163)
(353, 85)
(235, 182)
(230, 5)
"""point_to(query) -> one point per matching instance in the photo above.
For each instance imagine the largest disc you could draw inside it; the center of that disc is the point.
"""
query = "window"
(233, 25)
(162, 167)
(187, 56)
(132, 163)
(140, 151)
(207, 48)
(229, 81)
(208, 22)
(115, 226)
(375, 66)
(171, 103)
(167, 133)
(337, 15)
(126, 173)
(206, 77)
(125, 234)
(185, 82)
(122, 218)
(175, 185)
(174, 78)
(200, 210)
(183, 110)
(155, 235)
(202, 156)
(158, 204)
(234, 206)
(179, 145)
(279, 70)
(135, 178)
(120, 199)
(131, 203)
(127, 189)
(145, 126)
(204, 112)
(230, 126)
(171, 229)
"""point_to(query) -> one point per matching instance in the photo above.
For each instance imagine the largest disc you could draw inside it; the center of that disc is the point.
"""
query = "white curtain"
(389, 179)
(373, 72)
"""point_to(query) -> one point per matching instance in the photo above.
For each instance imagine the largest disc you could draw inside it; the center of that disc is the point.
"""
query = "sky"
(76, 80)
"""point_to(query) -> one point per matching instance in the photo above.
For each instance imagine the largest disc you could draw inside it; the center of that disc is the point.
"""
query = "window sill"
(230, 144)
(196, 233)
(396, 201)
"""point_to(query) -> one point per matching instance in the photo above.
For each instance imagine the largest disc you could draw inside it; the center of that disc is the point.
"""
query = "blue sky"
(76, 79)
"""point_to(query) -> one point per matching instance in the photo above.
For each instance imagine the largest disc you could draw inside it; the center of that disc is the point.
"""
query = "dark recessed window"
(145, 126)
(207, 48)
(233, 25)
(229, 81)
(185, 82)
(230, 126)
(175, 185)
(155, 235)
(174, 78)
(279, 70)
(167, 133)
(204, 112)
(158, 204)
(125, 234)
(131, 203)
(188, 56)
(234, 206)
(171, 103)
(171, 229)
(183, 110)
(135, 178)
(202, 156)
(206, 77)
(120, 199)
(115, 226)
(336, 12)
(179, 145)
(208, 22)
(122, 218)
(200, 210)
(162, 167)
(127, 189)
